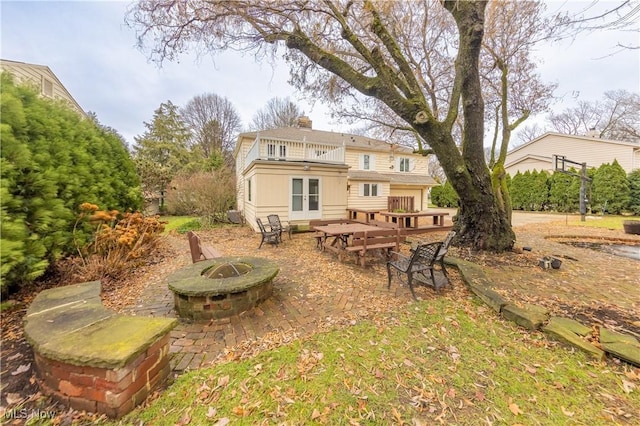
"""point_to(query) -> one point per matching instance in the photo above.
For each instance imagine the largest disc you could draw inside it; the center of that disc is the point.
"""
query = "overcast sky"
(93, 53)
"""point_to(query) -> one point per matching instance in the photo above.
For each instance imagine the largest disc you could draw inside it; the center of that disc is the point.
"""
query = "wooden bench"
(198, 251)
(369, 215)
(383, 224)
(90, 358)
(386, 240)
(319, 236)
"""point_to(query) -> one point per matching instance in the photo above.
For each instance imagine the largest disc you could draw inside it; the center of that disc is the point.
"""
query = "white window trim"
(369, 188)
(410, 164)
(372, 162)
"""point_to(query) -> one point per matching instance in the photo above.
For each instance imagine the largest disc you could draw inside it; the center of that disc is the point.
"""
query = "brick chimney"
(304, 122)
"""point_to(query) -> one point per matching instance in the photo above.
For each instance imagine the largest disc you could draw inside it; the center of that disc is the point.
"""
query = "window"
(276, 151)
(367, 162)
(370, 189)
(47, 87)
(249, 189)
(404, 165)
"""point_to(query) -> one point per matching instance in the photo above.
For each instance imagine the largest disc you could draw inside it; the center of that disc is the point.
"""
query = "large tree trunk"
(483, 222)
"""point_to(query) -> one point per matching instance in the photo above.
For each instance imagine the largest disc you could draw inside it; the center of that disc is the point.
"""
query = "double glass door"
(305, 198)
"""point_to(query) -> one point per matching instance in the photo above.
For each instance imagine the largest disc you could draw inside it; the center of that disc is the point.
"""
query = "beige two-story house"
(302, 174)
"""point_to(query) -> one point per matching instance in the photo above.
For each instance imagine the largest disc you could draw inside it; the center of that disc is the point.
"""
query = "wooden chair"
(276, 225)
(417, 266)
(272, 237)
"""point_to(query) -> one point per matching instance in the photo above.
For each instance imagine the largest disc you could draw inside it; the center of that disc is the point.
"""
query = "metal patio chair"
(417, 267)
(272, 237)
(276, 225)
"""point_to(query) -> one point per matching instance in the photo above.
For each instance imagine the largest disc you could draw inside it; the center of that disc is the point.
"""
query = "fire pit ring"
(222, 287)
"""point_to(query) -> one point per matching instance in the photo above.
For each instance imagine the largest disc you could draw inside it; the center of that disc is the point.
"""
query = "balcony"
(290, 150)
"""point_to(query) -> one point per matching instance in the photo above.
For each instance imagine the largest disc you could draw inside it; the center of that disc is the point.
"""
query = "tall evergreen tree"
(564, 192)
(162, 151)
(634, 191)
(610, 189)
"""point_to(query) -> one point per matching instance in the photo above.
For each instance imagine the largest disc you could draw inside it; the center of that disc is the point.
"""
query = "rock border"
(533, 317)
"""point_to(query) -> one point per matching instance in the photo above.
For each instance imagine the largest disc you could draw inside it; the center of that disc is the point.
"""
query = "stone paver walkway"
(312, 289)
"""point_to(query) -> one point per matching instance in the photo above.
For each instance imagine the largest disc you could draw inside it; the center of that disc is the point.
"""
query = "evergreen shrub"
(52, 160)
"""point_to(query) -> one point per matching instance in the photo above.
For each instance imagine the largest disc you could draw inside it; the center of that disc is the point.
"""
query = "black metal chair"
(417, 266)
(276, 225)
(443, 251)
(272, 237)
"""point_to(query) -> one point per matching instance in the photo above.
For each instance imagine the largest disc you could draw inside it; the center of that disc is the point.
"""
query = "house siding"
(271, 190)
(35, 76)
(538, 154)
(358, 201)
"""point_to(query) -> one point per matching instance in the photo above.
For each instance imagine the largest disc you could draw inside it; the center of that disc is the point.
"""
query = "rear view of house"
(303, 174)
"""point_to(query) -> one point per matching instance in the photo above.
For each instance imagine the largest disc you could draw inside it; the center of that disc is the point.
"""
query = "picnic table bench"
(410, 220)
(369, 215)
(386, 240)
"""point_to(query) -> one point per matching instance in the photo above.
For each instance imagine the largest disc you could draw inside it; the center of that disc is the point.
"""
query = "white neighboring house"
(538, 153)
(43, 79)
(303, 174)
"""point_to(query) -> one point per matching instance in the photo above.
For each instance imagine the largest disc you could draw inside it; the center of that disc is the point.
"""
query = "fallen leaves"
(514, 408)
(21, 369)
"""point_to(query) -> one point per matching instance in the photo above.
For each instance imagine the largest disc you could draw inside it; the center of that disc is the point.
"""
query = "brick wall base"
(114, 392)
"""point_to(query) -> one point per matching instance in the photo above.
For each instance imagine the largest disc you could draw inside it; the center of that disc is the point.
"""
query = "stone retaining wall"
(90, 358)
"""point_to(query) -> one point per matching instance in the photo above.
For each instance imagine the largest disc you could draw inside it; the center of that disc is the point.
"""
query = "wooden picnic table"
(341, 233)
(410, 220)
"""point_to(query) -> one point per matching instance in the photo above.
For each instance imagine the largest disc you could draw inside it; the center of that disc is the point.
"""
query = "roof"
(410, 179)
(367, 175)
(324, 137)
(588, 138)
(393, 178)
(529, 157)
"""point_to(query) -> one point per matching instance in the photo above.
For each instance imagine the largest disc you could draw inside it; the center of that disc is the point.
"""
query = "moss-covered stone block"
(571, 332)
(531, 317)
(492, 299)
(621, 346)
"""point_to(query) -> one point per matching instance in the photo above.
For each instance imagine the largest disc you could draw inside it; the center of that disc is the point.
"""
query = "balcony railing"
(290, 150)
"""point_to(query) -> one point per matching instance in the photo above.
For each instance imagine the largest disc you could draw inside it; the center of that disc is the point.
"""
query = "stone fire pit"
(222, 287)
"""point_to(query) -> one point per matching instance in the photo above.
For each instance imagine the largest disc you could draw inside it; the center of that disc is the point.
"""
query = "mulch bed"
(516, 275)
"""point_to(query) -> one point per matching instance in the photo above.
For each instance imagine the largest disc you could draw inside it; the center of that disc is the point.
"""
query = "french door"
(305, 198)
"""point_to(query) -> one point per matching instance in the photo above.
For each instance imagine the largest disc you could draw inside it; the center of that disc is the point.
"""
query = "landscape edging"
(626, 347)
